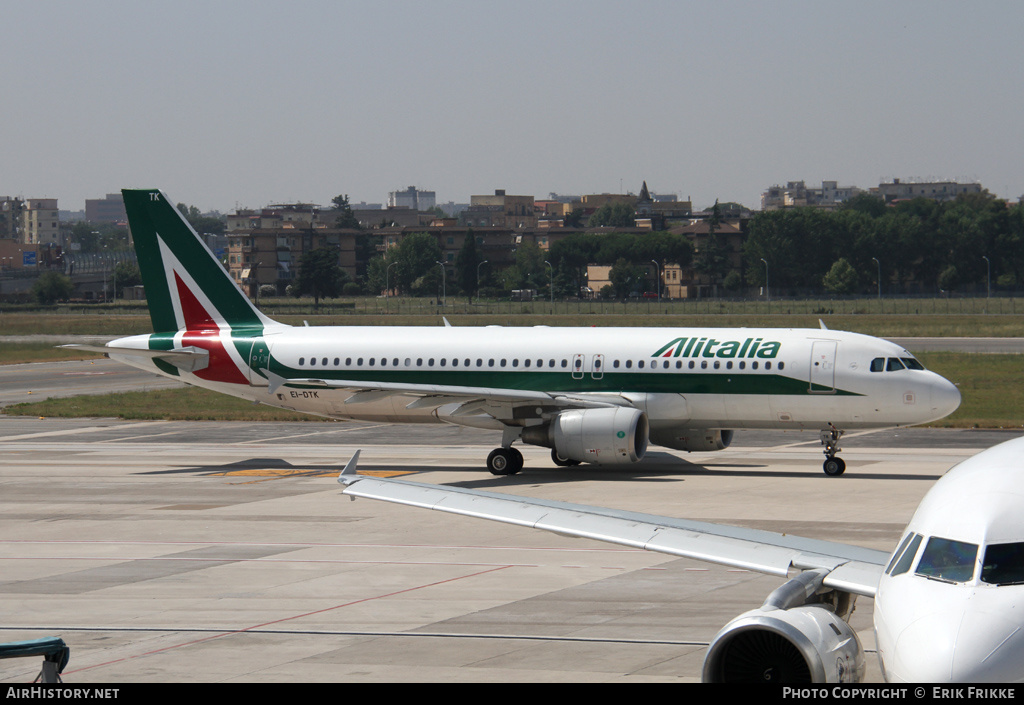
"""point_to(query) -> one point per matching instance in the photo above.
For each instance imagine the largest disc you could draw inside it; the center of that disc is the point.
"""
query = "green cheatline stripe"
(555, 382)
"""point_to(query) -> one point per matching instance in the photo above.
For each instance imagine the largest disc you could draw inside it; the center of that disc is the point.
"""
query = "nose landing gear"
(832, 466)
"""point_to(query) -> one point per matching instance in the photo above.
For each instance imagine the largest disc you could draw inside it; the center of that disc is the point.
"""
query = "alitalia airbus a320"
(592, 395)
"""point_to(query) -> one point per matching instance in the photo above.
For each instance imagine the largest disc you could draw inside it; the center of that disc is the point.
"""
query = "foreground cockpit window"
(948, 560)
(912, 363)
(1003, 564)
(904, 556)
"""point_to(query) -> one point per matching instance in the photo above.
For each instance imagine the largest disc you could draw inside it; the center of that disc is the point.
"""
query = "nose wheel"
(505, 461)
(832, 466)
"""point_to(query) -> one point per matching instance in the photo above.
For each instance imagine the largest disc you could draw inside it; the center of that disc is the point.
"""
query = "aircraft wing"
(439, 394)
(850, 568)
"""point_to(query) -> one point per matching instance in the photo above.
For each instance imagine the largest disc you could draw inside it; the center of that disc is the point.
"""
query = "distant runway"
(41, 380)
(224, 552)
(966, 345)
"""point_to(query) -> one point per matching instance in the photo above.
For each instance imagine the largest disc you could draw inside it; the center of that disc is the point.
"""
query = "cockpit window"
(878, 364)
(893, 364)
(1003, 564)
(904, 560)
(912, 363)
(948, 560)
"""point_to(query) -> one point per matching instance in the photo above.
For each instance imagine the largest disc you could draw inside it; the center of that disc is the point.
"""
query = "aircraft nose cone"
(958, 647)
(924, 650)
(945, 397)
(988, 649)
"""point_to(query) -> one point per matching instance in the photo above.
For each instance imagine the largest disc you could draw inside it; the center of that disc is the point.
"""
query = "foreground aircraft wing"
(438, 394)
(849, 568)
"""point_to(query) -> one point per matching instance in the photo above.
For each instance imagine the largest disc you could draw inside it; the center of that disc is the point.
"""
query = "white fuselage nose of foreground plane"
(933, 632)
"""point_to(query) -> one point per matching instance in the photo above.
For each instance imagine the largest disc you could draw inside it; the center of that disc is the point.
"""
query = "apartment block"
(935, 190)
(266, 245)
(796, 194)
(106, 210)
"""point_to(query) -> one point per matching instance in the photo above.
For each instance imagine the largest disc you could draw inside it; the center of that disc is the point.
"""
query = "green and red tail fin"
(186, 287)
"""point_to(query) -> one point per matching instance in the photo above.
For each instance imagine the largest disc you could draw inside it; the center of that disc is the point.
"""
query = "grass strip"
(187, 404)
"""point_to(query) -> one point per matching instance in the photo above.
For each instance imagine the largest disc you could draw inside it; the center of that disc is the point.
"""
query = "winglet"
(822, 324)
(446, 323)
(349, 475)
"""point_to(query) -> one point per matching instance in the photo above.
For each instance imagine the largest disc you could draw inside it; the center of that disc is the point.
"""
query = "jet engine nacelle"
(805, 644)
(599, 436)
(692, 439)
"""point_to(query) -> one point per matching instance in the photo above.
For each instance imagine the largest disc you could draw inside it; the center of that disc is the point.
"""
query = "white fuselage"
(682, 378)
(950, 606)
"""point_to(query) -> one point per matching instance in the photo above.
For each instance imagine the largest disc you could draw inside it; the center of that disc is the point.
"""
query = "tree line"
(914, 246)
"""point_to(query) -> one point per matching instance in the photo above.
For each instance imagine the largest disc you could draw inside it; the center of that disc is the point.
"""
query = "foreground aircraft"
(949, 601)
(592, 395)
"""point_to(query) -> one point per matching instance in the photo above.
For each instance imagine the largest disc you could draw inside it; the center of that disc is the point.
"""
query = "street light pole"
(988, 276)
(879, 277)
(657, 268)
(478, 277)
(387, 286)
(444, 285)
(767, 288)
(551, 281)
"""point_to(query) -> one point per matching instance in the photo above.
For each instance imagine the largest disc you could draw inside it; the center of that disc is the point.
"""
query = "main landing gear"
(505, 461)
(832, 466)
(562, 462)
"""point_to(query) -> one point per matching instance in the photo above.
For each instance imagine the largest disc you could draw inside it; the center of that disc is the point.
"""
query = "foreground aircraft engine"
(599, 436)
(692, 439)
(788, 640)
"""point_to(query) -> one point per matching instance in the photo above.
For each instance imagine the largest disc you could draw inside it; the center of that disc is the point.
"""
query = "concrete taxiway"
(225, 552)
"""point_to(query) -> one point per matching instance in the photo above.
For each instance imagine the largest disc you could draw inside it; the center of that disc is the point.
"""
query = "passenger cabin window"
(947, 560)
(1003, 564)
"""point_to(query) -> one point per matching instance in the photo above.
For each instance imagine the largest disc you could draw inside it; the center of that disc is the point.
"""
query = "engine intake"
(805, 644)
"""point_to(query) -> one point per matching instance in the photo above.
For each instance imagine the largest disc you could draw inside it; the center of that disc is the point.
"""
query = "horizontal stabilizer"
(190, 359)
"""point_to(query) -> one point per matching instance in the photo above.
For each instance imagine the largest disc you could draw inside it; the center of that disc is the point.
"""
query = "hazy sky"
(224, 104)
